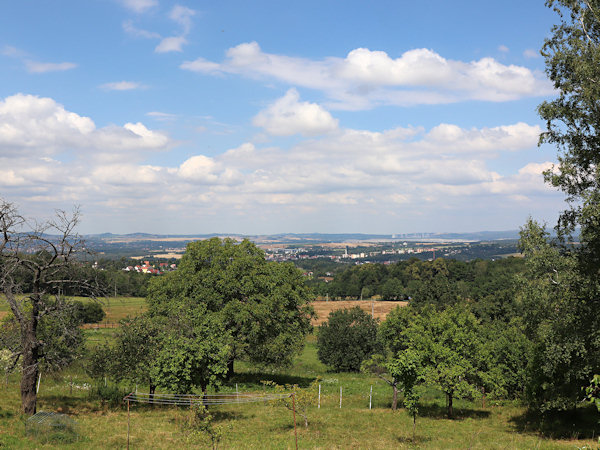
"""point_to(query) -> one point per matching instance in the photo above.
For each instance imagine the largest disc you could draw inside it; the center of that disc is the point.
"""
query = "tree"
(449, 346)
(90, 312)
(405, 368)
(264, 306)
(572, 56)
(193, 353)
(560, 318)
(137, 343)
(44, 253)
(347, 338)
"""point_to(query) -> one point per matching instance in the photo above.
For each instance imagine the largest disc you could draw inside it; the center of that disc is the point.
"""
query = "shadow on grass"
(581, 423)
(6, 414)
(255, 378)
(417, 440)
(441, 412)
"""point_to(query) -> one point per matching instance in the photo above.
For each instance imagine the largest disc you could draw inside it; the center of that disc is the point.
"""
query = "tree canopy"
(264, 306)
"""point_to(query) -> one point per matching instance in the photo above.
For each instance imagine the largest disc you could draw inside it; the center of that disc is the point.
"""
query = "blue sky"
(265, 117)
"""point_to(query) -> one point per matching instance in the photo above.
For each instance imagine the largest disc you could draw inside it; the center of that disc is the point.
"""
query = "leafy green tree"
(132, 357)
(264, 306)
(90, 312)
(347, 338)
(193, 354)
(561, 319)
(405, 368)
(572, 56)
(449, 345)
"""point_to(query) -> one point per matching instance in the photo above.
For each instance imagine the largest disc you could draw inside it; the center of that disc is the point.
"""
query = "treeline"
(488, 284)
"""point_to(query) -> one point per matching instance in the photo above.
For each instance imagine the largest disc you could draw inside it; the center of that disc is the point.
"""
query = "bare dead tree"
(47, 255)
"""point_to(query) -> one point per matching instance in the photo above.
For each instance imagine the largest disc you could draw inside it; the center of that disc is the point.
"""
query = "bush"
(346, 339)
(89, 312)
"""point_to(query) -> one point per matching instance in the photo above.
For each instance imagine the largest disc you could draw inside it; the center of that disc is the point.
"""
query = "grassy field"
(271, 426)
(102, 424)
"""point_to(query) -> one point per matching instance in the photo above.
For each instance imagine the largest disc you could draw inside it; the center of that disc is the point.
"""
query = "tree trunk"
(230, 372)
(414, 427)
(30, 359)
(395, 398)
(151, 396)
(450, 409)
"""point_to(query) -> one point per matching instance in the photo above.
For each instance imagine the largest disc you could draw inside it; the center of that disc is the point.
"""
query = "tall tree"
(569, 298)
(264, 306)
(44, 253)
(572, 55)
(561, 319)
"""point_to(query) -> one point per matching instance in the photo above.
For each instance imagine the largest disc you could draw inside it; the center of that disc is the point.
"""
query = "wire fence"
(209, 399)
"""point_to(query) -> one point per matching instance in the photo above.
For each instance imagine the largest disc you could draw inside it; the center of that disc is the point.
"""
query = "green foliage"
(560, 319)
(58, 332)
(347, 338)
(197, 358)
(299, 399)
(593, 392)
(265, 306)
(446, 346)
(90, 312)
(202, 423)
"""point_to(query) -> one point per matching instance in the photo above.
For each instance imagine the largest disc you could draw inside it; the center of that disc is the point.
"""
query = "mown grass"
(270, 426)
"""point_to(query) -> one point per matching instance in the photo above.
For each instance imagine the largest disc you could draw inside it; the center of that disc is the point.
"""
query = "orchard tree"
(264, 306)
(347, 338)
(46, 254)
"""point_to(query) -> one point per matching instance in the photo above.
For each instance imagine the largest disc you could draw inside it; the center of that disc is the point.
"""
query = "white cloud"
(37, 125)
(139, 6)
(530, 53)
(52, 156)
(288, 116)
(122, 86)
(183, 16)
(43, 67)
(129, 28)
(171, 44)
(365, 78)
(503, 48)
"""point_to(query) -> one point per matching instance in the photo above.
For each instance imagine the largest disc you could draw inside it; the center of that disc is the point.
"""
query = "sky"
(266, 117)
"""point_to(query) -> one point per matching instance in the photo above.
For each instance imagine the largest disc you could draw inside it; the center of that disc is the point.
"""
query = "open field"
(271, 426)
(118, 308)
(380, 309)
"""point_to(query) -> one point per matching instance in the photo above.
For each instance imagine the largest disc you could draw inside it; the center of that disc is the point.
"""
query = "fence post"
(294, 407)
(340, 397)
(128, 424)
(38, 383)
(319, 396)
(370, 397)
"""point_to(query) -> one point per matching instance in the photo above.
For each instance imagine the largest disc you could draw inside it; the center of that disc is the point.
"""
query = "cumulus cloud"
(51, 155)
(288, 116)
(171, 44)
(37, 125)
(122, 86)
(365, 77)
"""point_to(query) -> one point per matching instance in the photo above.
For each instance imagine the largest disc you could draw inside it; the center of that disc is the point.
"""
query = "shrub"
(347, 338)
(89, 312)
